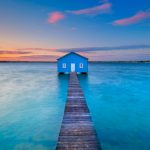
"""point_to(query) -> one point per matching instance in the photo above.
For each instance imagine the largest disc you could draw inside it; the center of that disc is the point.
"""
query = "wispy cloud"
(131, 55)
(80, 49)
(56, 16)
(129, 52)
(100, 9)
(37, 49)
(91, 49)
(13, 52)
(38, 58)
(138, 17)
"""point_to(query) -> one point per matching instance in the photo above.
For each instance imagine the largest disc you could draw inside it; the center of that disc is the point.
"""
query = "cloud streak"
(37, 49)
(104, 8)
(82, 49)
(13, 52)
(100, 9)
(54, 17)
(91, 49)
(138, 17)
(38, 58)
(94, 53)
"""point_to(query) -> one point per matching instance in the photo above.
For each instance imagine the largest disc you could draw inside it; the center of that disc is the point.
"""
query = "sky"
(102, 30)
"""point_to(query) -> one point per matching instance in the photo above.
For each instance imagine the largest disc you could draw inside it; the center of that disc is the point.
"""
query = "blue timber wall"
(72, 58)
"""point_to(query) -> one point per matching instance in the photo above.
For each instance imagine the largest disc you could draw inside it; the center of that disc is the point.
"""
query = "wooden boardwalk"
(77, 130)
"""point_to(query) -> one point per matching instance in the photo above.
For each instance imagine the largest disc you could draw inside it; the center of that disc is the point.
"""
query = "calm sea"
(32, 100)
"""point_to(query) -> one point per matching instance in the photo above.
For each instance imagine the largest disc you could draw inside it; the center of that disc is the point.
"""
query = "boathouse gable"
(72, 62)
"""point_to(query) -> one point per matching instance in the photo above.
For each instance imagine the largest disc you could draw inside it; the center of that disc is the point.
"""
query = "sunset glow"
(43, 30)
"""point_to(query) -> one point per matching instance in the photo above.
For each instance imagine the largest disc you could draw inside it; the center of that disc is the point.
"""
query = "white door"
(72, 67)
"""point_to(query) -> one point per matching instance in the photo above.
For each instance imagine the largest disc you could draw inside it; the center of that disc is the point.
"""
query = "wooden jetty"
(77, 129)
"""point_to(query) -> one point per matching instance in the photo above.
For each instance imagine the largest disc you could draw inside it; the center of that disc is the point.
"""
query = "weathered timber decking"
(77, 130)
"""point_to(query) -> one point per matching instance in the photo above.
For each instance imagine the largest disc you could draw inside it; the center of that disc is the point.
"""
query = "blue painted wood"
(72, 58)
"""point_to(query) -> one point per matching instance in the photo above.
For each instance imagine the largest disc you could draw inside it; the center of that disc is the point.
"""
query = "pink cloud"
(55, 17)
(138, 17)
(100, 9)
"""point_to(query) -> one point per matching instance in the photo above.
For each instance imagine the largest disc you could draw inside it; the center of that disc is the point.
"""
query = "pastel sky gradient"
(102, 30)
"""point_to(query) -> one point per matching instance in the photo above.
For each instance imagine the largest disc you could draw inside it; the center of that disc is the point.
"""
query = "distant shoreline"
(145, 61)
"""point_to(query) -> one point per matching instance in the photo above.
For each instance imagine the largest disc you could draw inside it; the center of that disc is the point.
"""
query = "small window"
(81, 65)
(64, 65)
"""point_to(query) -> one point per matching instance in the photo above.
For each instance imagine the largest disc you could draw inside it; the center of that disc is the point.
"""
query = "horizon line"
(88, 61)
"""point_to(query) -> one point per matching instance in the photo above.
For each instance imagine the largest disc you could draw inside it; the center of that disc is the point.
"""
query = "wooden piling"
(77, 129)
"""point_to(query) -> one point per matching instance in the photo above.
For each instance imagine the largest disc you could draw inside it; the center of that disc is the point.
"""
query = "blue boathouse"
(72, 62)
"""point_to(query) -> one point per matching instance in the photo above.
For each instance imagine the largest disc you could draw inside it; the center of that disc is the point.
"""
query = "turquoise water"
(118, 95)
(32, 100)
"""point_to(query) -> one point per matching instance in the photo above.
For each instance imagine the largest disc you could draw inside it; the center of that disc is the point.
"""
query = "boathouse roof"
(71, 54)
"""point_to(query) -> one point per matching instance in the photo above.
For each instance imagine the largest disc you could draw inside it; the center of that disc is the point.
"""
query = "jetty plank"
(77, 129)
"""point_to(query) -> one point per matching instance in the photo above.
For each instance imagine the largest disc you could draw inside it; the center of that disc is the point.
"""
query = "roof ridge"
(71, 53)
